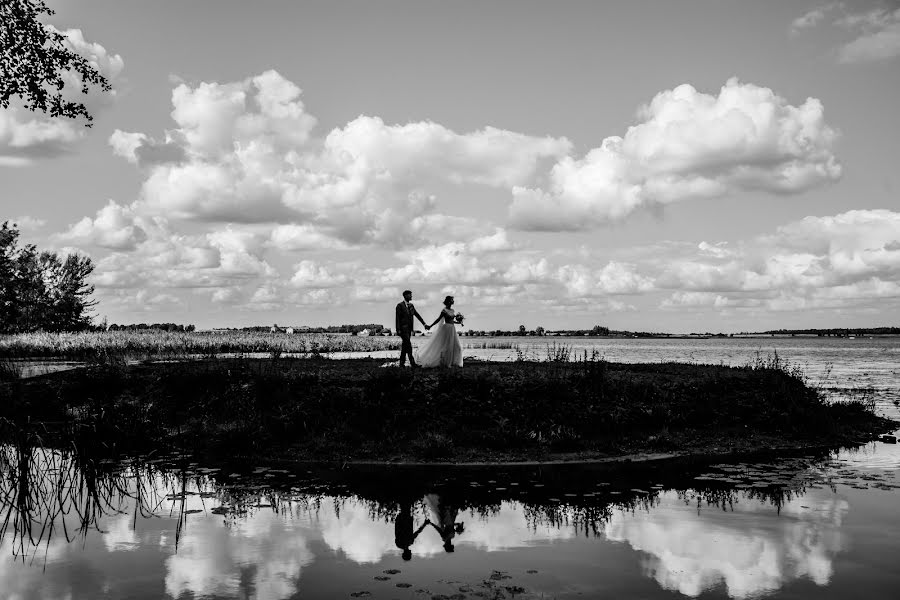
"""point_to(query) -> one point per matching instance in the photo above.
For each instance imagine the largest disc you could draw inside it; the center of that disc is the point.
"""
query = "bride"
(443, 349)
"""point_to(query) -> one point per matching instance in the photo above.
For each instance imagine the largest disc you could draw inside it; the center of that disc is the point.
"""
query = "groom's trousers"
(406, 348)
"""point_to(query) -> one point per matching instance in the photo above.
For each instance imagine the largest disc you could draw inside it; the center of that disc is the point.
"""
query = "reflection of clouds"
(691, 553)
(361, 539)
(366, 541)
(508, 529)
(119, 533)
(20, 579)
(216, 560)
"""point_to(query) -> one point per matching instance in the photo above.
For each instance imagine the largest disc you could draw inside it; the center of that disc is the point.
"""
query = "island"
(368, 410)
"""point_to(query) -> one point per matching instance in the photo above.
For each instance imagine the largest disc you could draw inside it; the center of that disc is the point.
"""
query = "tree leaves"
(40, 290)
(33, 60)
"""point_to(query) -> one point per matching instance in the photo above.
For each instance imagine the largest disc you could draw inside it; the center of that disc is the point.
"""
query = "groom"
(404, 327)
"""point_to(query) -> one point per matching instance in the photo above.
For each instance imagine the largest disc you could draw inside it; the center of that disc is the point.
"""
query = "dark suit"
(404, 328)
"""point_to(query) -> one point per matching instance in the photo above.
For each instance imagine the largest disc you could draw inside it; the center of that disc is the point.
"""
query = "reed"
(8, 371)
(137, 345)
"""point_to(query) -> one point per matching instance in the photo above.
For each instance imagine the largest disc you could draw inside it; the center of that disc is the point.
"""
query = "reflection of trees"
(46, 492)
(725, 498)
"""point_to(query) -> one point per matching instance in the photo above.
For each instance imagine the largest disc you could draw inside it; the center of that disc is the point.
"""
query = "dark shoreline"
(354, 411)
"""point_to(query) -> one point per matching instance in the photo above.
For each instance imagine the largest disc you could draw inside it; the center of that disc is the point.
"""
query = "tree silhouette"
(34, 58)
(40, 290)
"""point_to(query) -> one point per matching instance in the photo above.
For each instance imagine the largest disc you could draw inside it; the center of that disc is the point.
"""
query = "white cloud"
(849, 259)
(687, 145)
(876, 32)
(809, 19)
(491, 156)
(212, 559)
(245, 152)
(453, 261)
(26, 136)
(27, 223)
(114, 227)
(613, 278)
(308, 274)
(125, 144)
(240, 253)
(691, 553)
(303, 237)
(147, 254)
(878, 38)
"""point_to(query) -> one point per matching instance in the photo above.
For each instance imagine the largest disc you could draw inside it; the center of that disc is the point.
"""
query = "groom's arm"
(397, 319)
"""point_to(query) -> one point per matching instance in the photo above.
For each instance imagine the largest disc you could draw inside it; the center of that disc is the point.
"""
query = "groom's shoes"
(413, 366)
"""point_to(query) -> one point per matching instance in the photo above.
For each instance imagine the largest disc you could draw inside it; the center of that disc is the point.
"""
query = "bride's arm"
(436, 321)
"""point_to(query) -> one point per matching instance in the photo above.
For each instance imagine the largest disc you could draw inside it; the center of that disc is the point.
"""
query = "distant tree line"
(838, 332)
(373, 328)
(596, 330)
(154, 326)
(40, 290)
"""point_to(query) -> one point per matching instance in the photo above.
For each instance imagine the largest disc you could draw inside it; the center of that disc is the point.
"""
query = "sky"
(705, 165)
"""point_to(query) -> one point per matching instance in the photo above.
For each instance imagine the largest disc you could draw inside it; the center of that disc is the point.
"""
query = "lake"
(817, 525)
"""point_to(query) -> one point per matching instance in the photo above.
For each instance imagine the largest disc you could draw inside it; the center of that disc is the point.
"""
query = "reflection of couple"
(443, 349)
(443, 514)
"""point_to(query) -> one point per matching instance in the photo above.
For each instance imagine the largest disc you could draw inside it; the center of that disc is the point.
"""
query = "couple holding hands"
(443, 348)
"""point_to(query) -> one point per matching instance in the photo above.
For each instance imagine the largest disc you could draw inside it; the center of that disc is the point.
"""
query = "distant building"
(363, 332)
(289, 330)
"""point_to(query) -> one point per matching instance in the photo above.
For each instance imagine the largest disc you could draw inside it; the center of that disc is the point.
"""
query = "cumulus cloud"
(269, 215)
(687, 145)
(847, 259)
(308, 274)
(26, 136)
(246, 152)
(613, 278)
(114, 227)
(146, 253)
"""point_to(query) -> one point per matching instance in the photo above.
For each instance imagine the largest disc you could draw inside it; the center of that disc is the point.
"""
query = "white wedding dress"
(442, 349)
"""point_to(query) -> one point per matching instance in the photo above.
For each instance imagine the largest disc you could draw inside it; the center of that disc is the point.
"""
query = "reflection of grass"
(354, 409)
(120, 345)
(46, 493)
(8, 371)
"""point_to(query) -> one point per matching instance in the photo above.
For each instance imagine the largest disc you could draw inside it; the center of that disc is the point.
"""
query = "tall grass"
(504, 345)
(859, 397)
(8, 371)
(105, 346)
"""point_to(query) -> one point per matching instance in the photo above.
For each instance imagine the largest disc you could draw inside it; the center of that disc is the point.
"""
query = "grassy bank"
(312, 409)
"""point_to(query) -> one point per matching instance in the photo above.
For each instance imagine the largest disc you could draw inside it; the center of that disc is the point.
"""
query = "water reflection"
(690, 552)
(169, 527)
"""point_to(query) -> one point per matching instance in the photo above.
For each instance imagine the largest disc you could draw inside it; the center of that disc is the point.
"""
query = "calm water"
(818, 526)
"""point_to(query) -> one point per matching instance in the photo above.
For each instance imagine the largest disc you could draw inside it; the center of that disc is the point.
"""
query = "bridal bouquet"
(458, 319)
